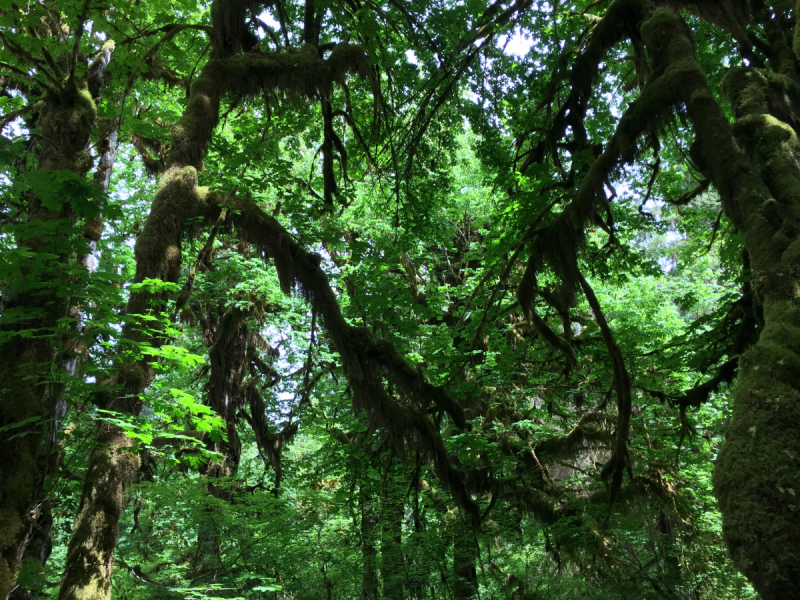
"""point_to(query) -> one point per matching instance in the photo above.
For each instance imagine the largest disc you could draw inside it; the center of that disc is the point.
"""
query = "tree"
(519, 269)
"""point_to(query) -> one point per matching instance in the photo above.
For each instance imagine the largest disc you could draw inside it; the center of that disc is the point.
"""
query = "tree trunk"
(227, 338)
(368, 550)
(158, 256)
(465, 572)
(757, 475)
(754, 167)
(65, 121)
(90, 557)
(392, 571)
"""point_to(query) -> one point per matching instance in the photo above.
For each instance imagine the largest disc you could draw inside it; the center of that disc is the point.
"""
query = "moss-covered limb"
(366, 360)
(158, 256)
(298, 267)
(558, 243)
(526, 295)
(766, 128)
(303, 73)
(755, 92)
(760, 461)
(758, 469)
(158, 248)
(113, 467)
(269, 443)
(588, 430)
(773, 20)
(731, 16)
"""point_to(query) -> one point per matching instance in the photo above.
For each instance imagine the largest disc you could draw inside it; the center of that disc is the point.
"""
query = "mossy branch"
(620, 21)
(366, 360)
(588, 430)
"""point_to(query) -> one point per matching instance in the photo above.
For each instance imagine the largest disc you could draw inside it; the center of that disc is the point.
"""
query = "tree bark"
(158, 256)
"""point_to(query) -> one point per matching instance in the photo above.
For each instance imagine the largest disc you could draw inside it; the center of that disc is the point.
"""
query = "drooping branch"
(619, 461)
(620, 21)
(270, 443)
(368, 361)
(526, 294)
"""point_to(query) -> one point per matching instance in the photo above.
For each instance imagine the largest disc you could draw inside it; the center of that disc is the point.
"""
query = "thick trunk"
(112, 468)
(158, 257)
(757, 476)
(754, 167)
(67, 117)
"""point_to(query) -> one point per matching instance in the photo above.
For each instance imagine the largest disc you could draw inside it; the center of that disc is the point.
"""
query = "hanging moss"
(366, 360)
(229, 24)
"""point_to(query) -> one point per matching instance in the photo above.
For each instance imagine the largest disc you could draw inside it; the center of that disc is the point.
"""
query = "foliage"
(361, 290)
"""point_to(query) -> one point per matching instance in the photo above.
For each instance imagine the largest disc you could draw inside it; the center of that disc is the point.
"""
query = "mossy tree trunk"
(113, 465)
(754, 166)
(757, 475)
(65, 120)
(158, 256)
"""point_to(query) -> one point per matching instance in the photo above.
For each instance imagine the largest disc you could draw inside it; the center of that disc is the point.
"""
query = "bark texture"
(158, 256)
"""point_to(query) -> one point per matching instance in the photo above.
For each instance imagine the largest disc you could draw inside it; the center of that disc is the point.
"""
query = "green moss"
(757, 477)
(796, 37)
(158, 245)
(65, 121)
(90, 556)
